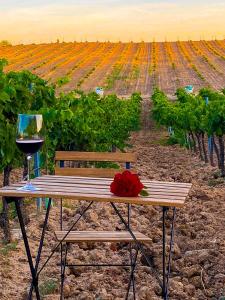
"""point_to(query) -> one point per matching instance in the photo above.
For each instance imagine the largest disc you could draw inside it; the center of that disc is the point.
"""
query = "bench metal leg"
(167, 268)
(132, 259)
(64, 263)
(63, 239)
(132, 277)
(170, 252)
(138, 244)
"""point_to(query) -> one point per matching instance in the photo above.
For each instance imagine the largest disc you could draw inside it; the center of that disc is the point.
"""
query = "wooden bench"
(114, 157)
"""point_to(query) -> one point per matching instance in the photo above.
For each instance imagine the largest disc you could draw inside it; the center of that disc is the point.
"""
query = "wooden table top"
(98, 189)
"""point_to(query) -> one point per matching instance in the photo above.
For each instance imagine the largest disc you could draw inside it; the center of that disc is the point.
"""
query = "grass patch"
(63, 80)
(68, 204)
(5, 250)
(106, 164)
(172, 140)
(12, 210)
(214, 182)
(111, 79)
(48, 287)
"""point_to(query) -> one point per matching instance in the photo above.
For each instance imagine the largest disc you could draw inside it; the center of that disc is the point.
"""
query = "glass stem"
(28, 168)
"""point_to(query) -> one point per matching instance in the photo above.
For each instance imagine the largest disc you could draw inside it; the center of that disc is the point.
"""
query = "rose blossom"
(126, 185)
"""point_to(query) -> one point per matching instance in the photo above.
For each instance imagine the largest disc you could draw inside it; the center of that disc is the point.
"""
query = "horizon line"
(108, 41)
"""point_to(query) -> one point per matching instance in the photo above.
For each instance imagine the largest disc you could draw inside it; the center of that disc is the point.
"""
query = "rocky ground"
(198, 269)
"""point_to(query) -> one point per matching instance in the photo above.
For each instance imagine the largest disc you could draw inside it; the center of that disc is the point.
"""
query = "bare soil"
(198, 269)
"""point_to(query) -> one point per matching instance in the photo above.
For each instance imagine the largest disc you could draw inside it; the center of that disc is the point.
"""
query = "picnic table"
(164, 194)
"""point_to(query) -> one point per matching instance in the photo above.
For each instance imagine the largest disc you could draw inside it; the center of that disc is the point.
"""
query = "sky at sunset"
(23, 21)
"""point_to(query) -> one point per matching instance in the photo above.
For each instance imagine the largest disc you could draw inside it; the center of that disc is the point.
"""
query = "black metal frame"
(133, 260)
(166, 269)
(35, 270)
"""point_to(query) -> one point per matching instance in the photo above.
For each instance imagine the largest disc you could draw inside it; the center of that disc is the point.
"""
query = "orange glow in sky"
(45, 21)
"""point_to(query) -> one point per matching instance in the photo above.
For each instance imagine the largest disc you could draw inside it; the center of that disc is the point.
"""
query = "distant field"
(123, 67)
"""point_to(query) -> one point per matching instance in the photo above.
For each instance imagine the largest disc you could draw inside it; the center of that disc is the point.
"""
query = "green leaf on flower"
(144, 193)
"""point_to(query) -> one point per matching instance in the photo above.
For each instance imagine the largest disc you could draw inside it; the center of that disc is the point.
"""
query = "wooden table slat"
(97, 189)
(171, 190)
(96, 181)
(96, 198)
(93, 179)
(72, 181)
(74, 186)
(106, 192)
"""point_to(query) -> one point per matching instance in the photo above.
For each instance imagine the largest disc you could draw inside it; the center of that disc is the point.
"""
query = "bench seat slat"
(100, 236)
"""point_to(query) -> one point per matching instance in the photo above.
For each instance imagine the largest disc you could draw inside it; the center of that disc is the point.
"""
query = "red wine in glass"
(29, 146)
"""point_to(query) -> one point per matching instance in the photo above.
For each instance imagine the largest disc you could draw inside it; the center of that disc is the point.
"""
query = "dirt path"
(198, 270)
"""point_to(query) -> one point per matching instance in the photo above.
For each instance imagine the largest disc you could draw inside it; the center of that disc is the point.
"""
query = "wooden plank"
(100, 236)
(105, 192)
(184, 184)
(104, 187)
(97, 189)
(95, 156)
(92, 197)
(162, 190)
(144, 181)
(94, 181)
(89, 172)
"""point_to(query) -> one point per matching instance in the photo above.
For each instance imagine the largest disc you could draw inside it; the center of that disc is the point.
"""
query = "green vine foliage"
(88, 122)
(73, 121)
(20, 92)
(193, 118)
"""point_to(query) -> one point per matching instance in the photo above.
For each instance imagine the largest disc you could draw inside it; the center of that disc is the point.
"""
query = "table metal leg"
(164, 252)
(166, 268)
(170, 251)
(40, 246)
(61, 246)
(138, 244)
(27, 247)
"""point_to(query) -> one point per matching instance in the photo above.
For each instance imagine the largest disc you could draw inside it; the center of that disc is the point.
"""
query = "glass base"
(28, 187)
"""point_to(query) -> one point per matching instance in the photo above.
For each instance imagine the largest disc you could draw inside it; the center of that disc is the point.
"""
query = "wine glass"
(29, 140)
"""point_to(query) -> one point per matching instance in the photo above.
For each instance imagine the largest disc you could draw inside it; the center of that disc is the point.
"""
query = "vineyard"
(195, 121)
(73, 121)
(179, 142)
(123, 68)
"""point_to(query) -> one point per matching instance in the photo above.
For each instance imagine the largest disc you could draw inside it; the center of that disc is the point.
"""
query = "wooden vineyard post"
(210, 140)
(37, 173)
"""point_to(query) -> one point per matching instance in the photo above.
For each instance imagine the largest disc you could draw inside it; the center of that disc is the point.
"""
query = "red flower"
(126, 185)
